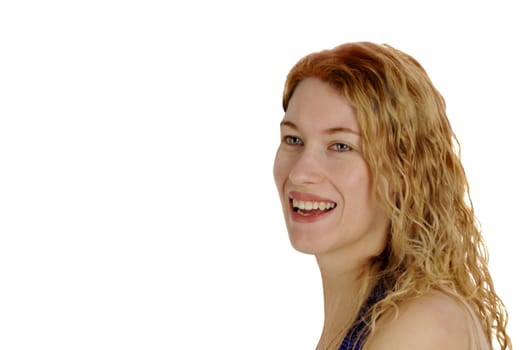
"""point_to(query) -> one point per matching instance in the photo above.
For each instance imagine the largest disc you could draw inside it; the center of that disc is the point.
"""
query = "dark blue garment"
(356, 330)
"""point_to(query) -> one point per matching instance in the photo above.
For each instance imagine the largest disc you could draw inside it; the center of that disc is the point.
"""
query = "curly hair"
(435, 240)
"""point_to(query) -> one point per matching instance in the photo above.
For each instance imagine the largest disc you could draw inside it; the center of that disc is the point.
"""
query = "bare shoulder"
(431, 322)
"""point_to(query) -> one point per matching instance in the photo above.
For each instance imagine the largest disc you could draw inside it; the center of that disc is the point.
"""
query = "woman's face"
(324, 183)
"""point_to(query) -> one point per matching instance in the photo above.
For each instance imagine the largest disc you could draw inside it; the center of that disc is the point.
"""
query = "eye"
(292, 140)
(341, 147)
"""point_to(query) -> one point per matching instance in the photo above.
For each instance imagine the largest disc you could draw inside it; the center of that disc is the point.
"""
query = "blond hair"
(435, 241)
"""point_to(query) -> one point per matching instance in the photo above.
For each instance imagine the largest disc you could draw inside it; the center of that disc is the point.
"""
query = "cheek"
(356, 184)
(279, 169)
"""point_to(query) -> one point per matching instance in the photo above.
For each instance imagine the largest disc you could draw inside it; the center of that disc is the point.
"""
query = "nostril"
(305, 177)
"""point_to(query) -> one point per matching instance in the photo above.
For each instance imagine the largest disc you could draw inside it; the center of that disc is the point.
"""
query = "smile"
(310, 208)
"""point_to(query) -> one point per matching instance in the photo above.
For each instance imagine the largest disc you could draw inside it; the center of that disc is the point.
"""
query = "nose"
(307, 169)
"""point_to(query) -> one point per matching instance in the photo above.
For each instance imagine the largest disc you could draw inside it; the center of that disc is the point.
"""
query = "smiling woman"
(372, 185)
(321, 142)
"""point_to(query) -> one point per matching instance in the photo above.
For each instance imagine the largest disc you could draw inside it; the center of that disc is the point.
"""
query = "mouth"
(311, 208)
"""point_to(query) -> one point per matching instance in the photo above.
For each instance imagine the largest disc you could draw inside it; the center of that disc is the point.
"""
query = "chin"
(309, 244)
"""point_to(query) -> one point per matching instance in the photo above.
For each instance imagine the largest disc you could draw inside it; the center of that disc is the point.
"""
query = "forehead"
(316, 104)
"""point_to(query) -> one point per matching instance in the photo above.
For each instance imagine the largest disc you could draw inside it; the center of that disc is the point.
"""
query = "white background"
(137, 204)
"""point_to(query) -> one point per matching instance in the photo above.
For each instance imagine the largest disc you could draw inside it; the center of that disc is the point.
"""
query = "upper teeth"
(309, 205)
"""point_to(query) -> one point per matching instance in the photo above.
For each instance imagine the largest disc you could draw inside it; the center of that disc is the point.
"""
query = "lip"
(307, 197)
(302, 196)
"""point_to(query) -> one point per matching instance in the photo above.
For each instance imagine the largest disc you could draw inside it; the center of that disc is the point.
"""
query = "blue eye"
(292, 140)
(341, 147)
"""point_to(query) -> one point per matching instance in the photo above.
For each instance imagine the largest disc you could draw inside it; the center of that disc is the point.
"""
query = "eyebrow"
(333, 130)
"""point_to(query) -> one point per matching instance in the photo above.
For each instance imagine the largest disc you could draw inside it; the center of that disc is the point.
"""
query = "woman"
(371, 183)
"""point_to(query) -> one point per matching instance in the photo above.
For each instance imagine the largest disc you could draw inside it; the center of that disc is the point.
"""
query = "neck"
(342, 288)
